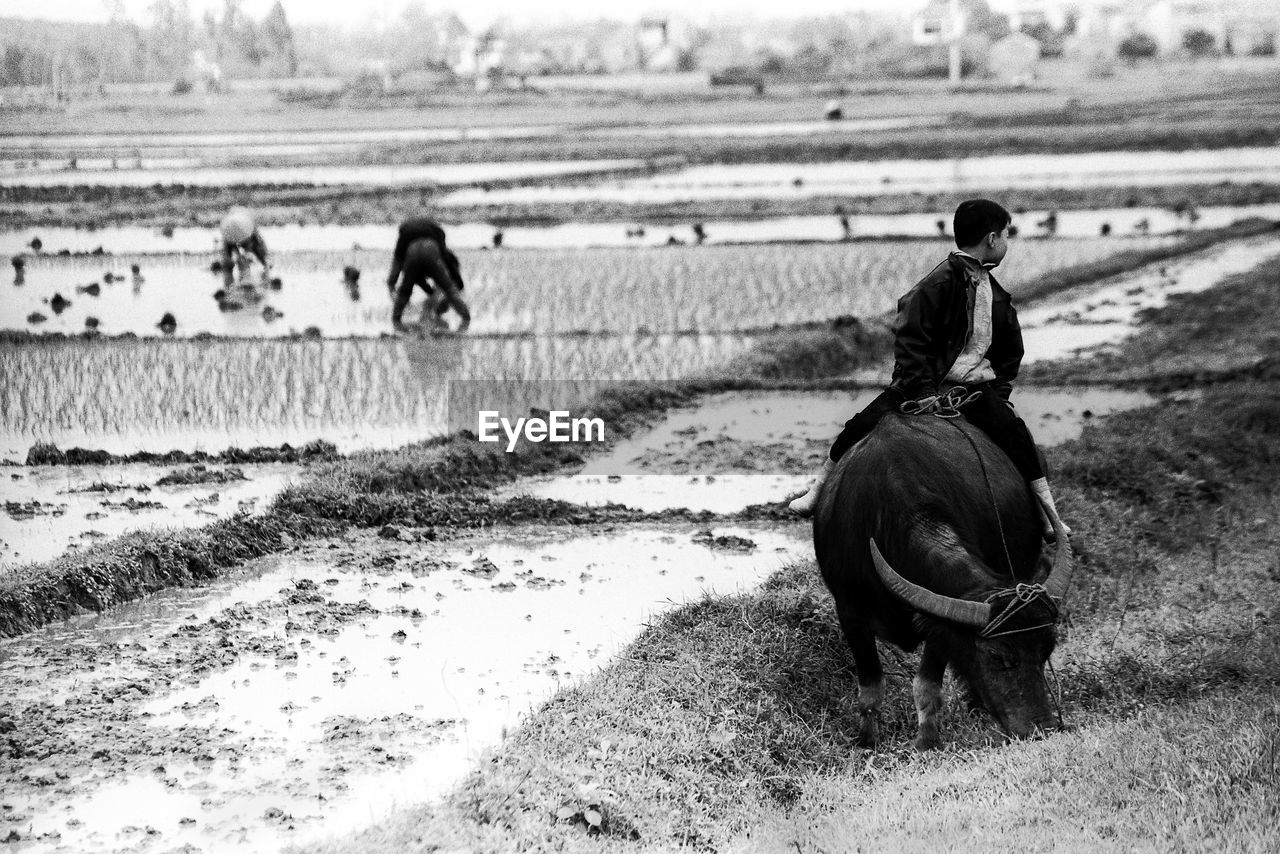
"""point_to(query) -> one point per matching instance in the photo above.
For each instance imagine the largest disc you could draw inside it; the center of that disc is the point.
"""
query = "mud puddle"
(341, 681)
(49, 510)
(743, 448)
(1095, 316)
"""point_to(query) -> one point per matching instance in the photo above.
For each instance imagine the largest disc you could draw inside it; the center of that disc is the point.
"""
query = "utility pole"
(953, 64)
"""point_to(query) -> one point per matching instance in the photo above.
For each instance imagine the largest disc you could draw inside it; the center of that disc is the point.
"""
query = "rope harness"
(1016, 600)
(947, 406)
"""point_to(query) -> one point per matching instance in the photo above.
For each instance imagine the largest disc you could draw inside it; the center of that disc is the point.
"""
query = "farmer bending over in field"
(957, 329)
(240, 235)
(424, 260)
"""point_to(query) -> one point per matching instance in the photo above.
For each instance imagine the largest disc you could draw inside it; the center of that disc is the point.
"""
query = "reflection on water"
(431, 690)
(1122, 224)
(687, 289)
(881, 177)
(48, 509)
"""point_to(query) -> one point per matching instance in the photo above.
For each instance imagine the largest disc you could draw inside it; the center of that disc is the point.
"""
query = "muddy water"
(1103, 314)
(744, 448)
(342, 682)
(50, 510)
(293, 237)
(976, 174)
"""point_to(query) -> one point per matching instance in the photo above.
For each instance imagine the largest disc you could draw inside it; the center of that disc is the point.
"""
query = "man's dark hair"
(977, 218)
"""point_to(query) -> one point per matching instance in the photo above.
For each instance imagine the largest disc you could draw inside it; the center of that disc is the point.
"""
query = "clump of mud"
(725, 542)
(199, 474)
(103, 486)
(22, 510)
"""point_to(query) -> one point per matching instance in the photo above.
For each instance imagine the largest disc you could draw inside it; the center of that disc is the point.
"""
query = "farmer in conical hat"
(240, 235)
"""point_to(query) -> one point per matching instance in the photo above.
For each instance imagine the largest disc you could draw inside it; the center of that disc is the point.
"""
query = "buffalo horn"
(1059, 577)
(976, 614)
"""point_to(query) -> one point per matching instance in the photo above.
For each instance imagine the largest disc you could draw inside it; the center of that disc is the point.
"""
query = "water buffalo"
(926, 532)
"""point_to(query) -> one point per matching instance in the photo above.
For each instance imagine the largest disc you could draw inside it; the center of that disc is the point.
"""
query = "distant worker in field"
(241, 238)
(424, 260)
(957, 348)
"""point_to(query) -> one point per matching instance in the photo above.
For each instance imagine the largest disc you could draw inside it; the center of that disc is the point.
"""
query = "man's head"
(981, 228)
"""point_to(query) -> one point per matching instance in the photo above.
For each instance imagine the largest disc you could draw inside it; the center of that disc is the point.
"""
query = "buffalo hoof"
(928, 741)
(868, 733)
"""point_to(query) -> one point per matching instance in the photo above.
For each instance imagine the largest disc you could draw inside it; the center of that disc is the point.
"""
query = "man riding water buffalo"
(957, 333)
(424, 260)
(926, 534)
(926, 528)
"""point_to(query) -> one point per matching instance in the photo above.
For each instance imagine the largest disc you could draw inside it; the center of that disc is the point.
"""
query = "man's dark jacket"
(935, 319)
(415, 229)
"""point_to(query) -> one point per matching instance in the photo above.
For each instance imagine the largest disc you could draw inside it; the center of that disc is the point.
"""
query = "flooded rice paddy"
(681, 289)
(880, 177)
(151, 395)
(318, 691)
(310, 694)
(299, 237)
(129, 396)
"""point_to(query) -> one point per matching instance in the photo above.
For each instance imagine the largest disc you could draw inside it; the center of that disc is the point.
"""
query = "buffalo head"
(998, 645)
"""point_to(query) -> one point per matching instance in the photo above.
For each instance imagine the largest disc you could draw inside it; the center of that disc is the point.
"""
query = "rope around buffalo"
(947, 406)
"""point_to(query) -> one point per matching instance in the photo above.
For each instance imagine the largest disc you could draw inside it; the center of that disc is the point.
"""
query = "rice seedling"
(124, 396)
(707, 289)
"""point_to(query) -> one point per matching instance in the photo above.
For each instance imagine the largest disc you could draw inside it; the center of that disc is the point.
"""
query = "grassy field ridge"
(728, 724)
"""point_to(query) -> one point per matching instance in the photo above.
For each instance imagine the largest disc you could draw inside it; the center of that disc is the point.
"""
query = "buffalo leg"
(927, 690)
(870, 676)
